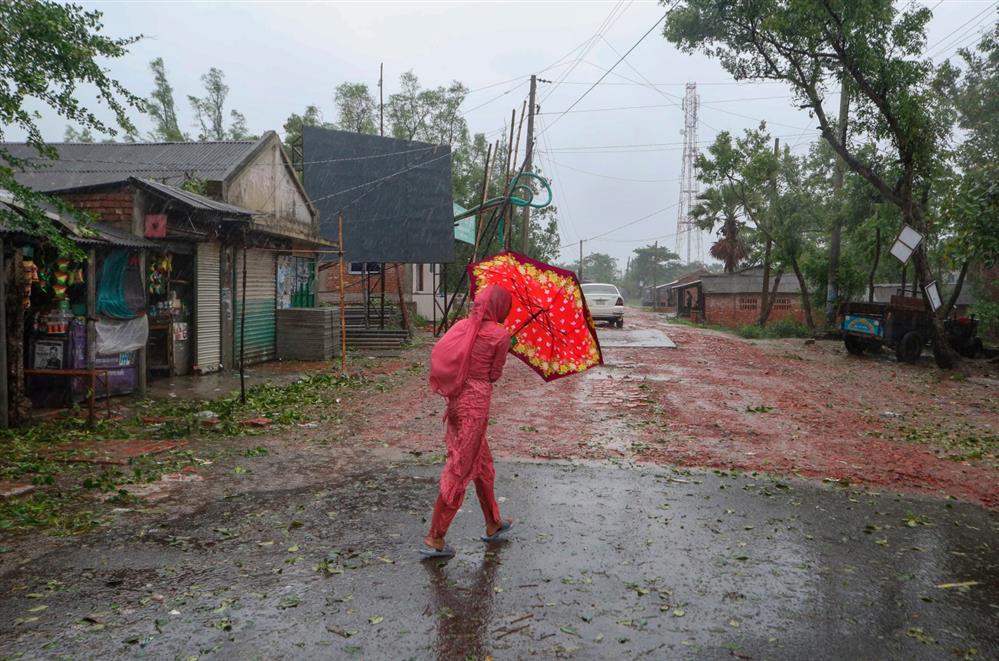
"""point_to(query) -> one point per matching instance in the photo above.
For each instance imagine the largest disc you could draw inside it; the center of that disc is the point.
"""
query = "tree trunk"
(943, 353)
(768, 306)
(806, 302)
(764, 308)
(874, 267)
(954, 295)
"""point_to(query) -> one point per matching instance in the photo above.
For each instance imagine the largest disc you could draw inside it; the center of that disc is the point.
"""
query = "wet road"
(604, 562)
(641, 338)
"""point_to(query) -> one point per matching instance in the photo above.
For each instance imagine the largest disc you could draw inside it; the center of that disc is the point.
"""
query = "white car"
(605, 303)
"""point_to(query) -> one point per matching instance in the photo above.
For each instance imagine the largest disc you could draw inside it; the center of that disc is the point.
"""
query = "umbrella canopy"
(551, 325)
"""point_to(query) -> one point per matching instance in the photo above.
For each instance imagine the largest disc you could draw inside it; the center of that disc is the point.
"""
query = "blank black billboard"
(395, 195)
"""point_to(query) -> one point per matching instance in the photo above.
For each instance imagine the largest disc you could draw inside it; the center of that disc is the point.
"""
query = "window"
(419, 277)
(360, 268)
(782, 303)
(748, 302)
(600, 290)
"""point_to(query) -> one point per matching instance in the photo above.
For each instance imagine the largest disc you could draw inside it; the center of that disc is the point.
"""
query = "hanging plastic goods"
(111, 292)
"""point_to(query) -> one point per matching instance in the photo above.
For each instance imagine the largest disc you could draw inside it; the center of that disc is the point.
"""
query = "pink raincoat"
(463, 366)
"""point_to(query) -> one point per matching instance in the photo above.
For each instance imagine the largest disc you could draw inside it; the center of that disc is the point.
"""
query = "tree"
(597, 267)
(48, 51)
(719, 207)
(427, 115)
(295, 124)
(809, 46)
(73, 135)
(355, 108)
(209, 110)
(161, 106)
(652, 264)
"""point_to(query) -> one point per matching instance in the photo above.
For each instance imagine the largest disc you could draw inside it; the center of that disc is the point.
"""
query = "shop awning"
(193, 201)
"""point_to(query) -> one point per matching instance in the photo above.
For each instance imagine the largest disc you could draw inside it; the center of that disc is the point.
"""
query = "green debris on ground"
(70, 495)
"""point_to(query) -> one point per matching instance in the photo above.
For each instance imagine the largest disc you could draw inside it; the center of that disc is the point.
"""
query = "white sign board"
(901, 252)
(933, 295)
(906, 243)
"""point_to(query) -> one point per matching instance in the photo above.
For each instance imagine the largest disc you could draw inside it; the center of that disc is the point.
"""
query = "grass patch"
(773, 330)
(67, 490)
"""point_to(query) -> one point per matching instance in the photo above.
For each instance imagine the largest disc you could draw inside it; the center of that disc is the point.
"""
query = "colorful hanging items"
(60, 279)
(31, 277)
(159, 275)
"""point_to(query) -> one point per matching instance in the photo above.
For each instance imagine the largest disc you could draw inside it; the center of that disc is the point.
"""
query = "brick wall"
(735, 310)
(113, 207)
(329, 284)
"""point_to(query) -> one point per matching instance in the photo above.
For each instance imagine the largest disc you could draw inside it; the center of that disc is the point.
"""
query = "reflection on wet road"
(604, 562)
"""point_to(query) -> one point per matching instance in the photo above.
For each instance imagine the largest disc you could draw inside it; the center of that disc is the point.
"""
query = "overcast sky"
(280, 57)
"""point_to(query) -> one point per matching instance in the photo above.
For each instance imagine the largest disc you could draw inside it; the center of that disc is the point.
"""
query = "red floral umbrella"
(552, 328)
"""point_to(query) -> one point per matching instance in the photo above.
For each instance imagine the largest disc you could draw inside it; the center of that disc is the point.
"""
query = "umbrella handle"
(529, 320)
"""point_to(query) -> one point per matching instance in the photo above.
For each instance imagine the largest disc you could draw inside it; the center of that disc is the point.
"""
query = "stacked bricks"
(113, 206)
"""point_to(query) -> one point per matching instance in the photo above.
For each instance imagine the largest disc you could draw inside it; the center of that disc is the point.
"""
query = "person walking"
(464, 364)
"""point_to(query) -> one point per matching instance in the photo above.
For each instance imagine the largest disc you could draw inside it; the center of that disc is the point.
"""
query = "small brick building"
(734, 299)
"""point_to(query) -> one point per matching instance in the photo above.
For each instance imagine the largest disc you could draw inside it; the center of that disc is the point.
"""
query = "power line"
(609, 176)
(628, 224)
(958, 45)
(669, 105)
(589, 44)
(621, 59)
(936, 47)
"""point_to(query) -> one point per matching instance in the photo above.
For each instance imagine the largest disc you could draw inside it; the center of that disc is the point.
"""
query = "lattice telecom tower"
(688, 236)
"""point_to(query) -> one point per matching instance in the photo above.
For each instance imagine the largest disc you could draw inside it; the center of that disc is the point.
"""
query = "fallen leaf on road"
(960, 585)
(375, 619)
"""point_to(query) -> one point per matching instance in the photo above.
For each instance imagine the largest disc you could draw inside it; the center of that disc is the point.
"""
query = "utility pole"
(655, 275)
(381, 97)
(580, 260)
(832, 291)
(529, 161)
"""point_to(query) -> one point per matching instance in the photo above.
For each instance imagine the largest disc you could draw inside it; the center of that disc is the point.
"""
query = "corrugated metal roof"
(91, 234)
(192, 200)
(736, 283)
(84, 165)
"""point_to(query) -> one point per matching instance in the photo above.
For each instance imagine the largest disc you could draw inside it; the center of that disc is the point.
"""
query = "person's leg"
(484, 489)
(441, 521)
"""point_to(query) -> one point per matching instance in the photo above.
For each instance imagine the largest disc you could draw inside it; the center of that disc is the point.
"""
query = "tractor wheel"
(854, 345)
(910, 348)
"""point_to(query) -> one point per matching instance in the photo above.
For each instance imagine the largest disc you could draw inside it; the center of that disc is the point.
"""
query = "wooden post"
(506, 181)
(402, 299)
(242, 329)
(343, 298)
(381, 298)
(91, 321)
(141, 353)
(381, 99)
(835, 239)
(580, 261)
(139, 229)
(4, 401)
(529, 164)
(482, 200)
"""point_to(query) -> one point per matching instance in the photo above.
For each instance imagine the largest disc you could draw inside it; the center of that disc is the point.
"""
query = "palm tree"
(719, 207)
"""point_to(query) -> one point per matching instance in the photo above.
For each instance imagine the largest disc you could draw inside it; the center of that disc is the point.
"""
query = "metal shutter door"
(261, 298)
(208, 311)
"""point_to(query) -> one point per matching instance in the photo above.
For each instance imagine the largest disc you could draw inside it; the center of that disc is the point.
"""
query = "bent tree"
(811, 46)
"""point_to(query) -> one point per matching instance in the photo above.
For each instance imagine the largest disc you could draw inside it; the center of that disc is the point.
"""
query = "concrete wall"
(735, 310)
(267, 185)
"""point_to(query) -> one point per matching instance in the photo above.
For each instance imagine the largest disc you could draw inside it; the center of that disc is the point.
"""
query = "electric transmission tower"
(688, 236)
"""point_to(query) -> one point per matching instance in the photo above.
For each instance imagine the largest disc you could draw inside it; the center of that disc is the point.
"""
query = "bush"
(775, 329)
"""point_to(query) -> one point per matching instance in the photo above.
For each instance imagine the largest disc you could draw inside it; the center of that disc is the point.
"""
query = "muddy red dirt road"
(718, 401)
